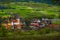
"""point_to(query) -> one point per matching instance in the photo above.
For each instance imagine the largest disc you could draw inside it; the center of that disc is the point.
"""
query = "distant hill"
(42, 1)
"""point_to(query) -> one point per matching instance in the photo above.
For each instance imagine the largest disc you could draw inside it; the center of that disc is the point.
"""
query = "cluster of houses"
(40, 23)
(16, 22)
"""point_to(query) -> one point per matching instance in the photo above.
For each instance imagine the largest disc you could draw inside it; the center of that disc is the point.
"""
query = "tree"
(56, 2)
(0, 21)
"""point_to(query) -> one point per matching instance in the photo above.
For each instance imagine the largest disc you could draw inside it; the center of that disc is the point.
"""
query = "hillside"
(43, 1)
(26, 9)
(53, 2)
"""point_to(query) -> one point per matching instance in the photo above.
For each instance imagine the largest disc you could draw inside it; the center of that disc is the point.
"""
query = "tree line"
(53, 1)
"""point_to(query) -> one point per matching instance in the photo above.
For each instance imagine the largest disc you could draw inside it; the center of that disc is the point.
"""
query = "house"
(12, 22)
(15, 22)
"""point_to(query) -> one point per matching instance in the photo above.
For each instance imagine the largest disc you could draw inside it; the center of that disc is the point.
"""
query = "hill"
(26, 9)
(54, 2)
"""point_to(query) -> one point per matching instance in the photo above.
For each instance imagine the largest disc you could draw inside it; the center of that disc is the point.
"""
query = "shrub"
(46, 30)
(3, 31)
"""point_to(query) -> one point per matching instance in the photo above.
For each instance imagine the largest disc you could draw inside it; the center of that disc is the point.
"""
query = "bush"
(46, 31)
(4, 32)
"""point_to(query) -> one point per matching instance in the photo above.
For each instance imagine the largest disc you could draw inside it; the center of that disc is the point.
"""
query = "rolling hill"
(26, 9)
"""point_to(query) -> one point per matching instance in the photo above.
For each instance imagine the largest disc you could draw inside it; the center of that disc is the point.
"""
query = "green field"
(31, 9)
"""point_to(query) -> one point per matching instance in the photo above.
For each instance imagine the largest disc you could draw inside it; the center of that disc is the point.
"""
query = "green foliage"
(56, 1)
(3, 31)
(45, 30)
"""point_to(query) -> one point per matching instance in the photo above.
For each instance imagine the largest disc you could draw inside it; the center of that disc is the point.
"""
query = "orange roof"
(15, 20)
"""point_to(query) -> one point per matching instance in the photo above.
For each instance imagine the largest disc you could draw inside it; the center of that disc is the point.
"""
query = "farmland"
(25, 9)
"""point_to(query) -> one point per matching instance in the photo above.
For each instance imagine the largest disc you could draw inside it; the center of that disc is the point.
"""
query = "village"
(31, 20)
(16, 22)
